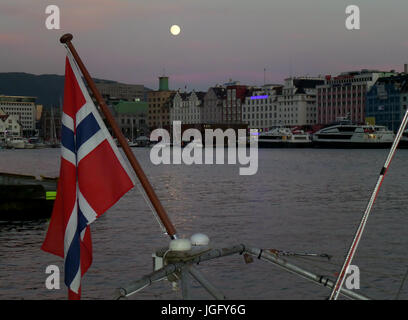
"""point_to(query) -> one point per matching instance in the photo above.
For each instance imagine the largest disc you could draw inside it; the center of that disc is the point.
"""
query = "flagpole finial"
(66, 38)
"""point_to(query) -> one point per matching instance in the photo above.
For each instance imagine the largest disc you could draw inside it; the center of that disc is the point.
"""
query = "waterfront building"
(261, 108)
(22, 106)
(387, 101)
(187, 107)
(9, 126)
(291, 104)
(213, 104)
(121, 91)
(298, 101)
(232, 108)
(159, 103)
(344, 96)
(131, 118)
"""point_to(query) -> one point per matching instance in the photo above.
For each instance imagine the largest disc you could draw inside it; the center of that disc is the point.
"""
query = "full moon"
(175, 30)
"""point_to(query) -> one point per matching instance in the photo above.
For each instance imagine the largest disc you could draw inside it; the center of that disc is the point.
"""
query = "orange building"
(159, 103)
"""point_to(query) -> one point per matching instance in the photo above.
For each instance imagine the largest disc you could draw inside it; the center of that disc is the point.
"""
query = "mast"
(52, 126)
(132, 129)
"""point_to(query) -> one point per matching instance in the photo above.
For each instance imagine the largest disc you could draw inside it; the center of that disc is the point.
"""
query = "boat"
(28, 144)
(133, 144)
(282, 137)
(348, 135)
(15, 143)
(25, 197)
(53, 142)
(37, 143)
(143, 141)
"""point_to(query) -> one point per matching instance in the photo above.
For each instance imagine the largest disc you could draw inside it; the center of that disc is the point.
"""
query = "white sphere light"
(175, 30)
(199, 239)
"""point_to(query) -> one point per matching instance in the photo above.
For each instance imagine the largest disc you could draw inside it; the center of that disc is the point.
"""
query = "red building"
(232, 109)
(344, 96)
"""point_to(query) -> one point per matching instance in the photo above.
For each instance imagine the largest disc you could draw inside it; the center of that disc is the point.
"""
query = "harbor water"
(301, 200)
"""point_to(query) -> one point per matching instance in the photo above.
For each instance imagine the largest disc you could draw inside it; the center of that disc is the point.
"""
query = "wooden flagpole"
(171, 231)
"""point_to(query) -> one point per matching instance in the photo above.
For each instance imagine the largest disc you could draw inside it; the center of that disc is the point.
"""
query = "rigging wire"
(329, 272)
(401, 286)
(354, 244)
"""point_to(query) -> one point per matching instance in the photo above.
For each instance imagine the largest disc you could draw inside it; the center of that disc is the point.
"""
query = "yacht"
(28, 144)
(348, 135)
(15, 143)
(284, 138)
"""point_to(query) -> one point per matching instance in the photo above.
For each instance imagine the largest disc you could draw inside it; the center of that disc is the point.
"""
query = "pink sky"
(129, 41)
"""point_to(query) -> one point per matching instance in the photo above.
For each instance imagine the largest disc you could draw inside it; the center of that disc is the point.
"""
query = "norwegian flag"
(93, 177)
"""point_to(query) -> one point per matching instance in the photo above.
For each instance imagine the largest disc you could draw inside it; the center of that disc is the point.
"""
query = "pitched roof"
(200, 95)
(400, 81)
(220, 92)
(184, 95)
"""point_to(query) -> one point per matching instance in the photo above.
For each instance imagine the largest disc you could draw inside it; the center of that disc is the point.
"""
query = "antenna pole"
(264, 76)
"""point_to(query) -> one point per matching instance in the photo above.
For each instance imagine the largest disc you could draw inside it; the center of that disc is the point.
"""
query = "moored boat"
(348, 135)
(284, 138)
(24, 197)
(15, 143)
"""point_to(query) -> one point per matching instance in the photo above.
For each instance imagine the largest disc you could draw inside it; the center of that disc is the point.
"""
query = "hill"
(48, 88)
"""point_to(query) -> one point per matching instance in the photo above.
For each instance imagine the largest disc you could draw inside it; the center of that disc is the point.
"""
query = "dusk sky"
(129, 40)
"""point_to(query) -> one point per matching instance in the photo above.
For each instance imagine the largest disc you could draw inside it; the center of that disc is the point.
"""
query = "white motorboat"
(284, 138)
(348, 135)
(15, 143)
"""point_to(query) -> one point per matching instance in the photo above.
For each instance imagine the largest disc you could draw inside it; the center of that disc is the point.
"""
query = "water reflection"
(300, 200)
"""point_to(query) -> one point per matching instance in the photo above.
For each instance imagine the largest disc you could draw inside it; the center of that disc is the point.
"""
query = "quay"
(25, 197)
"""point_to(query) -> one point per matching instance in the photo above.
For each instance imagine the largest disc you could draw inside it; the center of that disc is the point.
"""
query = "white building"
(291, 104)
(187, 107)
(260, 109)
(23, 107)
(9, 126)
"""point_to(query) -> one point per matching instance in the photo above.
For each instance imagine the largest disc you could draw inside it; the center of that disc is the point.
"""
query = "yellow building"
(159, 103)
